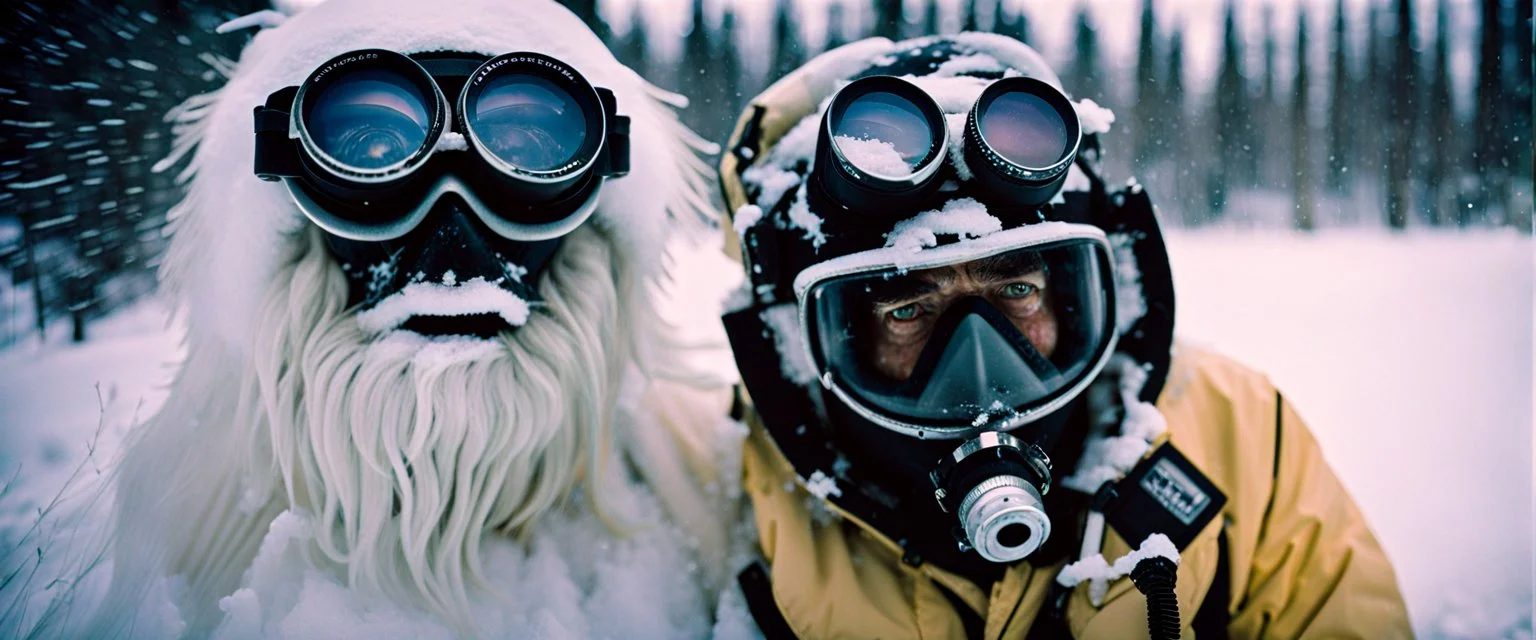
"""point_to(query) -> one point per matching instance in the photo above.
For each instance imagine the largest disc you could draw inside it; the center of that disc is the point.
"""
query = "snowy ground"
(1410, 356)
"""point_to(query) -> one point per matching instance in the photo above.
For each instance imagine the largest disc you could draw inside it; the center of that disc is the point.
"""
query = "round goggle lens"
(1025, 129)
(370, 119)
(883, 133)
(529, 122)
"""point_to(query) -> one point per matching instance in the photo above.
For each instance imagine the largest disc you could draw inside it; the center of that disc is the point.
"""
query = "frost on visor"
(984, 338)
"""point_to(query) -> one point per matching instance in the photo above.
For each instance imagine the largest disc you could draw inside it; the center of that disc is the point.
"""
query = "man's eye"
(1018, 290)
(905, 313)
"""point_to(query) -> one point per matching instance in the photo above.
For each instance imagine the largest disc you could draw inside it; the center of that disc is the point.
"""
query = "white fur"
(403, 459)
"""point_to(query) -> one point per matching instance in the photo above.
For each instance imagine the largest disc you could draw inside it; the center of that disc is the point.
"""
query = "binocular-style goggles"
(358, 142)
(883, 140)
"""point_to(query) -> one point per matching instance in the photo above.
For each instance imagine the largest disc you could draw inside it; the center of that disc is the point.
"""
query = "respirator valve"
(993, 484)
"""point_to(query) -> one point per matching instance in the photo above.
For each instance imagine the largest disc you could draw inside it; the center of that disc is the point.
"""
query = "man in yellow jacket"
(969, 418)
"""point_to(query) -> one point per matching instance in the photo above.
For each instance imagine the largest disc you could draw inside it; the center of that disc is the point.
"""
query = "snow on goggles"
(987, 333)
(358, 142)
(883, 140)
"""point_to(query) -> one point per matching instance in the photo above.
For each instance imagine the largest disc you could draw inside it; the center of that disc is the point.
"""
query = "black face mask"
(970, 342)
(449, 241)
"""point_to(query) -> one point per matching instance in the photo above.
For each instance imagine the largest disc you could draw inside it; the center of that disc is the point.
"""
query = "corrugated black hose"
(1155, 578)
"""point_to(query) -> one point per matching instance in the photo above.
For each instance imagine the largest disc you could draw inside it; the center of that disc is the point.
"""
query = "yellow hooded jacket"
(1290, 549)
(1300, 560)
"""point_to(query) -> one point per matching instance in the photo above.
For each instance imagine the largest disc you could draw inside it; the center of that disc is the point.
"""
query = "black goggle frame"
(515, 203)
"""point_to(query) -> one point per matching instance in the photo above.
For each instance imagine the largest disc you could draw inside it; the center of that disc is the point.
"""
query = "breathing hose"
(1155, 577)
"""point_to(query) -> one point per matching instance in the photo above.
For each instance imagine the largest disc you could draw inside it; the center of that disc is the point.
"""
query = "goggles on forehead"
(883, 140)
(988, 333)
(358, 142)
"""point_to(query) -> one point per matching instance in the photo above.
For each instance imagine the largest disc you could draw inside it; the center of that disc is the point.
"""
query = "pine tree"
(730, 75)
(1490, 160)
(1149, 99)
(1229, 113)
(889, 22)
(631, 48)
(1262, 157)
(1340, 149)
(1404, 119)
(587, 11)
(1301, 132)
(1021, 28)
(1372, 102)
(930, 25)
(1087, 74)
(1443, 157)
(1004, 21)
(1519, 82)
(1184, 197)
(694, 72)
(837, 21)
(788, 52)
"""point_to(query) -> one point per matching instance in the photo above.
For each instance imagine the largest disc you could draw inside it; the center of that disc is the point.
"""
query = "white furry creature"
(401, 458)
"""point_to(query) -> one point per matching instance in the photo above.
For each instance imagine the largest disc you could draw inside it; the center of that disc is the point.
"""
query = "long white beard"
(405, 454)
(402, 453)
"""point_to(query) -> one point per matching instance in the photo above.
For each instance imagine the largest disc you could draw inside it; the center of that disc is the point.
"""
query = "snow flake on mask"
(964, 217)
(514, 270)
(381, 274)
(822, 486)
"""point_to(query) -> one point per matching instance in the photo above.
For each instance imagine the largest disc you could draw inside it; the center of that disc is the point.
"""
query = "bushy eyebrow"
(907, 287)
(1007, 266)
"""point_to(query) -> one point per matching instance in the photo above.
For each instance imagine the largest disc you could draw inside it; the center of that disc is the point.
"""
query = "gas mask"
(410, 188)
(978, 346)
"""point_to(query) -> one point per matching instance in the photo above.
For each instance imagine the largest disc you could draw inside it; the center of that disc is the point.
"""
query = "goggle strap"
(764, 263)
(615, 158)
(276, 154)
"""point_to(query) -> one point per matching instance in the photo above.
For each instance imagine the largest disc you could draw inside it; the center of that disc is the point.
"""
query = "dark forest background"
(1371, 138)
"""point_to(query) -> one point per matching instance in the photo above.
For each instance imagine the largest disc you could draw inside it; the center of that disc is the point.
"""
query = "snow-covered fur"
(401, 453)
(406, 453)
